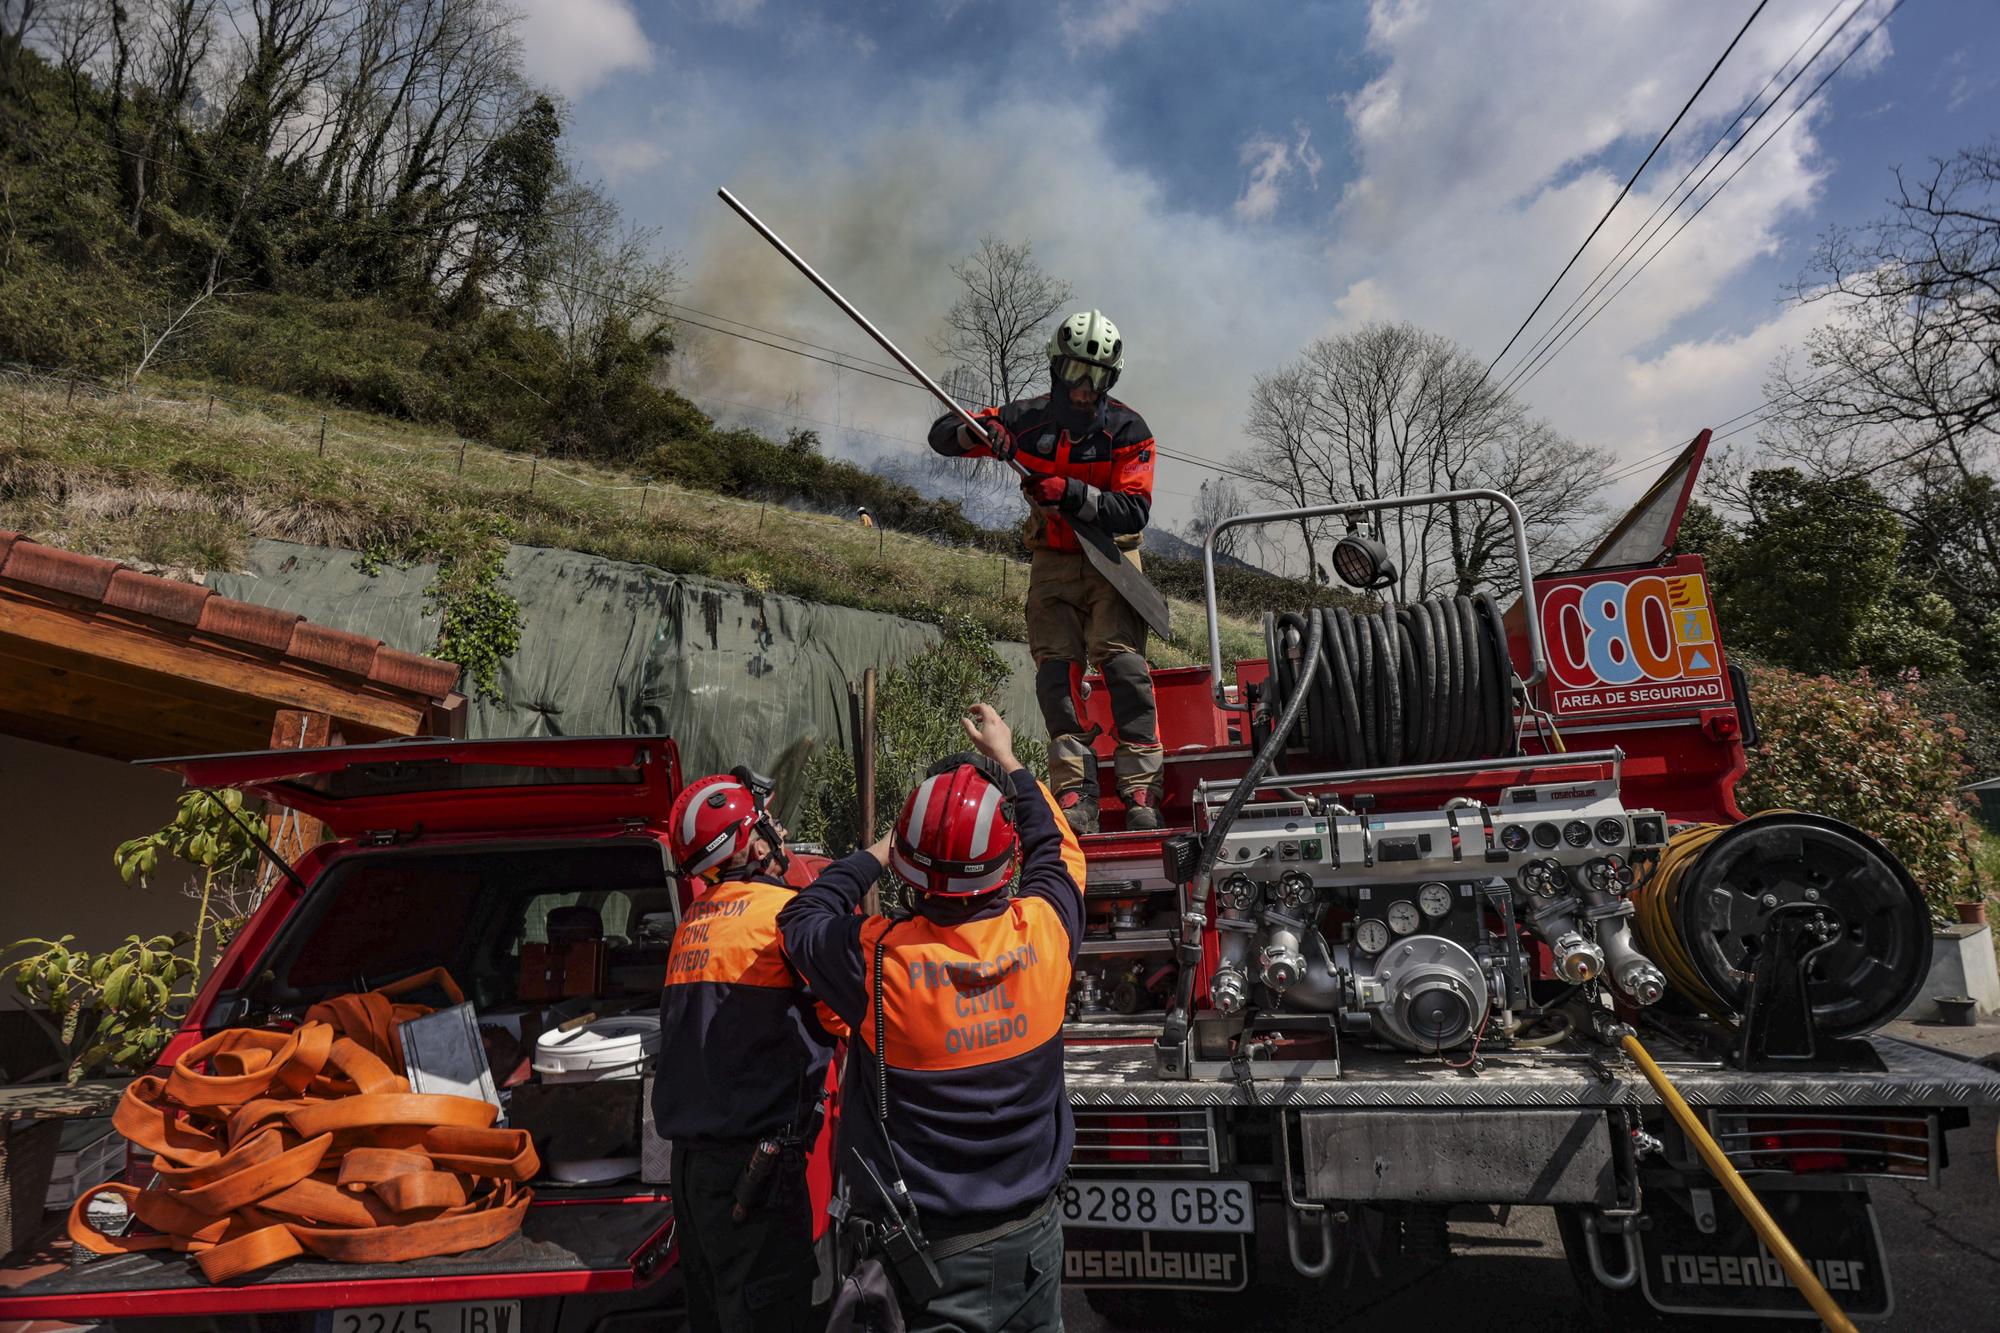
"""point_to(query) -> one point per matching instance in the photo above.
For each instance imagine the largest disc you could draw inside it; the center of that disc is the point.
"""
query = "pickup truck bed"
(567, 1245)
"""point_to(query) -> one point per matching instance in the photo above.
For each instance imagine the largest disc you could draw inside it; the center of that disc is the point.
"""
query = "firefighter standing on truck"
(958, 1009)
(743, 1056)
(1091, 459)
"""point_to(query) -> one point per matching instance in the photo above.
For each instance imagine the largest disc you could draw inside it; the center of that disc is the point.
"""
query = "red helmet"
(956, 836)
(711, 823)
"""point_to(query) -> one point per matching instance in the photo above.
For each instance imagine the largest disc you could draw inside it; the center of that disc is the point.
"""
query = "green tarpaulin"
(609, 648)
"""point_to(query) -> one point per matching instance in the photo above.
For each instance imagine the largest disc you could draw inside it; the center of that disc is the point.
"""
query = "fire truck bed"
(1913, 1075)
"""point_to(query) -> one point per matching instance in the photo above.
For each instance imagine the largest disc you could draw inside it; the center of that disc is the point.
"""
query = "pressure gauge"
(1403, 917)
(1435, 899)
(1547, 836)
(1514, 837)
(1371, 936)
(1576, 833)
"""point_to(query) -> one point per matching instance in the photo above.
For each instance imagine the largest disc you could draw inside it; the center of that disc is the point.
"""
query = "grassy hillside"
(170, 481)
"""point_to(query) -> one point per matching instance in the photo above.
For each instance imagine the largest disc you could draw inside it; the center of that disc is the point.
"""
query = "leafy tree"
(1849, 748)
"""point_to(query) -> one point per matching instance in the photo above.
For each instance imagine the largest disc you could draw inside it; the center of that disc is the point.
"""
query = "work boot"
(1142, 809)
(1079, 807)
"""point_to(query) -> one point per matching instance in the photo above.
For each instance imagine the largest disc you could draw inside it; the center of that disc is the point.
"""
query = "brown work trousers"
(1075, 616)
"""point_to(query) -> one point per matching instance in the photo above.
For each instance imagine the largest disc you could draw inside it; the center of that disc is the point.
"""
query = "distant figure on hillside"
(867, 519)
(1089, 457)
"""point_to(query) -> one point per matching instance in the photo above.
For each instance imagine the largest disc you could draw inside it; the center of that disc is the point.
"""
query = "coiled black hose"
(1422, 683)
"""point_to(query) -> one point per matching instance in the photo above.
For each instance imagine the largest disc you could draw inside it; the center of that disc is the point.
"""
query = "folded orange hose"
(271, 1145)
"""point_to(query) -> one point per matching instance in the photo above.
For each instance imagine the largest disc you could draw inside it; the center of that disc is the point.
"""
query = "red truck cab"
(443, 853)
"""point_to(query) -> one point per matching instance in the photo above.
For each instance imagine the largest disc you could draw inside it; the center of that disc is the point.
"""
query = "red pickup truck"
(452, 853)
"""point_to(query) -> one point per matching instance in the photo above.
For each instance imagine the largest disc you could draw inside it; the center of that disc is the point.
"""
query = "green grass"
(166, 481)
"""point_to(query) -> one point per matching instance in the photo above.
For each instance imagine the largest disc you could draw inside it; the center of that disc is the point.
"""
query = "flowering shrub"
(1856, 750)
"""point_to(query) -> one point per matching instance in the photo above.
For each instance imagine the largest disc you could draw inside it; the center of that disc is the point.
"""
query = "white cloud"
(572, 46)
(1484, 148)
(736, 13)
(1272, 163)
(620, 158)
(1100, 25)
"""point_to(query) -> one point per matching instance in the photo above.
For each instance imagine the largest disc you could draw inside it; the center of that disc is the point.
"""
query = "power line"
(1640, 234)
(1629, 183)
(1804, 102)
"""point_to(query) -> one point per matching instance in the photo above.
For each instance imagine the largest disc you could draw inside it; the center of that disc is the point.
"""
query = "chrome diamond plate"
(1913, 1075)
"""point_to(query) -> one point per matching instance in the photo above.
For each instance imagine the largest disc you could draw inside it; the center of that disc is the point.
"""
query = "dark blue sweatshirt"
(973, 1005)
(743, 1054)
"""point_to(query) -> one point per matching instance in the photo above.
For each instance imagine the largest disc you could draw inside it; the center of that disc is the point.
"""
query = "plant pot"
(1971, 914)
(1957, 1011)
(27, 1159)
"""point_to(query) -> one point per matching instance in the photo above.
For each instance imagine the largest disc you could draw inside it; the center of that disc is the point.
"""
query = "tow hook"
(1294, 1227)
(1622, 1226)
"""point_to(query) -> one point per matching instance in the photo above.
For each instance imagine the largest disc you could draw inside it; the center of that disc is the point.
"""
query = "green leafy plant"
(109, 1009)
(207, 833)
(1855, 750)
(479, 621)
(916, 723)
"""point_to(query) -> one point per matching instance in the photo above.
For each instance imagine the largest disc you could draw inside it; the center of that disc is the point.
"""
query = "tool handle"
(881, 339)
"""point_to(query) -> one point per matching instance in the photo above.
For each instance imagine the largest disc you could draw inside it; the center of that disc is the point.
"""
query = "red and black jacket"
(743, 1050)
(1113, 460)
(973, 1006)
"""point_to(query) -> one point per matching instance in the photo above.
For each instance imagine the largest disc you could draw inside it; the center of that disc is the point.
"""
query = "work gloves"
(1063, 494)
(1000, 440)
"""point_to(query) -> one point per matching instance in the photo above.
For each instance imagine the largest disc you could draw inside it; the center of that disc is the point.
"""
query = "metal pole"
(322, 435)
(210, 415)
(534, 466)
(70, 401)
(461, 459)
(880, 338)
(644, 491)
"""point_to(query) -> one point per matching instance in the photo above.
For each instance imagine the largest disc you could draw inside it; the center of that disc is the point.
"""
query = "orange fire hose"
(1724, 1170)
(269, 1145)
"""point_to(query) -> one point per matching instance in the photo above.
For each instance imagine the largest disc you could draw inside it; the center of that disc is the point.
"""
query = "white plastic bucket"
(604, 1048)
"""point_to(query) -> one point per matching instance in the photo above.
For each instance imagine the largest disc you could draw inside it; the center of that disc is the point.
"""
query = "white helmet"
(1086, 344)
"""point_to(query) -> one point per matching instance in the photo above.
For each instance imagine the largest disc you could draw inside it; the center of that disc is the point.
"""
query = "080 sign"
(1640, 640)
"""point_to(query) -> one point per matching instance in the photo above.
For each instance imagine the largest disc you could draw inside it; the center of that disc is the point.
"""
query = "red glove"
(1048, 492)
(999, 439)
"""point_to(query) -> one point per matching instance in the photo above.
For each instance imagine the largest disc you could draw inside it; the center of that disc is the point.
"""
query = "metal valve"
(1577, 959)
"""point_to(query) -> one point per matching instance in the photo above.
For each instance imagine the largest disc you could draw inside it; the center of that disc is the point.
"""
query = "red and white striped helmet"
(955, 838)
(711, 823)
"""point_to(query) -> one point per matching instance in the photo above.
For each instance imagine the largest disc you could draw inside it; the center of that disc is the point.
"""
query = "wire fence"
(454, 458)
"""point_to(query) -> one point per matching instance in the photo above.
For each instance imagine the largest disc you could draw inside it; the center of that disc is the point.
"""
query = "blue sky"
(1231, 180)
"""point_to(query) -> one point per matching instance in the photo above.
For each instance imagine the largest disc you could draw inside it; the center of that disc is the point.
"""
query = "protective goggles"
(1070, 370)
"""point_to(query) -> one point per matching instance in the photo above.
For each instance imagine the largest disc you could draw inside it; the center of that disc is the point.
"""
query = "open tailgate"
(566, 1246)
(454, 786)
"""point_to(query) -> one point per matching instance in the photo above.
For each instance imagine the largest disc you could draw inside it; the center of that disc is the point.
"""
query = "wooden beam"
(201, 668)
(289, 832)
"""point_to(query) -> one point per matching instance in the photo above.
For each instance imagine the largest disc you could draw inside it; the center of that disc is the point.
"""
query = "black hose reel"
(1424, 682)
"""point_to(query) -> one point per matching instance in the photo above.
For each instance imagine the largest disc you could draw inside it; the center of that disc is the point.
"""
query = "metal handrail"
(1614, 756)
(1521, 558)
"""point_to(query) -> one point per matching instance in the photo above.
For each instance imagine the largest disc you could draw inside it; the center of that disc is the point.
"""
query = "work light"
(1363, 562)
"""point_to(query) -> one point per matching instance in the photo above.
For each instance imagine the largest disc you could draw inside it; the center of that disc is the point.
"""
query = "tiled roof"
(123, 592)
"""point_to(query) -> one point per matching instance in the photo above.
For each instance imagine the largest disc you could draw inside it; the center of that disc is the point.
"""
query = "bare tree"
(1902, 385)
(1216, 499)
(998, 327)
(1393, 410)
(19, 20)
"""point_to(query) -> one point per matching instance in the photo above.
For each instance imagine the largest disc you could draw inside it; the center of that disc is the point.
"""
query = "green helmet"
(1086, 343)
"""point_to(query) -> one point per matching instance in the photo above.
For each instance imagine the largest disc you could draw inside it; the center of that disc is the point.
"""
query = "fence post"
(760, 516)
(644, 491)
(461, 459)
(322, 435)
(211, 406)
(881, 538)
(1003, 576)
(70, 401)
(534, 466)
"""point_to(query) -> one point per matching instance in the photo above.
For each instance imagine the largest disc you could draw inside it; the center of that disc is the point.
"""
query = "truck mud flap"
(1684, 1270)
(1212, 1261)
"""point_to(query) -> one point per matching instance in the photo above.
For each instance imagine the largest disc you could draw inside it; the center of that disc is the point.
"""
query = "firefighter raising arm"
(968, 1040)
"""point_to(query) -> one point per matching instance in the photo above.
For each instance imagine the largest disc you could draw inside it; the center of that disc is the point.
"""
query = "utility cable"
(1661, 142)
(1641, 235)
(1764, 143)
